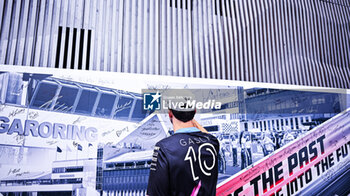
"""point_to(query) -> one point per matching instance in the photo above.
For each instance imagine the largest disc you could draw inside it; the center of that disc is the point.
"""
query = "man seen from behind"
(185, 163)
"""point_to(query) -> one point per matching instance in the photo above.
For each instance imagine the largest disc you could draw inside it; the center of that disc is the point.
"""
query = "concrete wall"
(278, 41)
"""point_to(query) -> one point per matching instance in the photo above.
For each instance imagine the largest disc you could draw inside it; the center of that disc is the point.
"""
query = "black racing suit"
(185, 163)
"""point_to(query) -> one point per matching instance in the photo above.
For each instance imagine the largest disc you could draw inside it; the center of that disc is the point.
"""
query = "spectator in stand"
(287, 137)
(234, 150)
(278, 135)
(222, 158)
(246, 153)
(267, 144)
(249, 148)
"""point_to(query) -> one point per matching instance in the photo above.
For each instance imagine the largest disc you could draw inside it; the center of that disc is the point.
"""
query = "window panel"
(66, 98)
(105, 105)
(139, 113)
(86, 101)
(123, 108)
(14, 88)
(44, 95)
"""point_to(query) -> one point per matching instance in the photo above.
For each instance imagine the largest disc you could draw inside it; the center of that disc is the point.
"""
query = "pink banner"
(295, 166)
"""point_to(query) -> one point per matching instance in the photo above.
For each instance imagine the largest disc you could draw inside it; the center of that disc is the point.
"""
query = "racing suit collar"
(187, 130)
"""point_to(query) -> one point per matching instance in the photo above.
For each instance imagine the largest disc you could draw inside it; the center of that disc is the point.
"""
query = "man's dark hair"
(183, 116)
